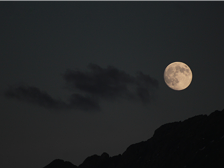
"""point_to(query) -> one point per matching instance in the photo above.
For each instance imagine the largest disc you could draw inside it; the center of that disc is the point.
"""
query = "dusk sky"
(83, 78)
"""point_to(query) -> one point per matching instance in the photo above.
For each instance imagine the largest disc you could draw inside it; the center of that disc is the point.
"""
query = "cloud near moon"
(88, 88)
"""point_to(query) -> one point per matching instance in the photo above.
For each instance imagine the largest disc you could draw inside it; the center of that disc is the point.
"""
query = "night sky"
(83, 78)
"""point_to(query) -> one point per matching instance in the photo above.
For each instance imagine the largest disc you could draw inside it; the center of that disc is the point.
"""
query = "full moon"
(178, 76)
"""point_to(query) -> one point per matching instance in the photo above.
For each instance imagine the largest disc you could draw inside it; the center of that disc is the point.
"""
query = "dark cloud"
(97, 84)
(146, 80)
(110, 83)
(41, 98)
(33, 95)
(104, 83)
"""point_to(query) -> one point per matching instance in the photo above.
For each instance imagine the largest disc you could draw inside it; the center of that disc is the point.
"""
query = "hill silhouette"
(195, 142)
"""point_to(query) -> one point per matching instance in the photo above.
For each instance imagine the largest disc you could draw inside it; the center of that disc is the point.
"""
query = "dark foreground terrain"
(197, 142)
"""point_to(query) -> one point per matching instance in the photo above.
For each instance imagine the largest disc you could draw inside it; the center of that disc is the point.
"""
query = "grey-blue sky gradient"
(83, 78)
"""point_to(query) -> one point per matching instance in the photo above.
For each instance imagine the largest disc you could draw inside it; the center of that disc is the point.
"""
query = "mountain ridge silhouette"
(195, 142)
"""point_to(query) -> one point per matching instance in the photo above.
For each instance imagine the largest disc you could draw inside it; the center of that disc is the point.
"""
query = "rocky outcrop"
(58, 163)
(195, 142)
(102, 161)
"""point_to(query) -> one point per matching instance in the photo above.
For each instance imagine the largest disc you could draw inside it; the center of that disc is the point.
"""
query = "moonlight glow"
(178, 75)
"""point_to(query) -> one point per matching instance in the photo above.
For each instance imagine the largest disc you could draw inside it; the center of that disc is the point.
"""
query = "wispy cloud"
(33, 95)
(36, 96)
(94, 85)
